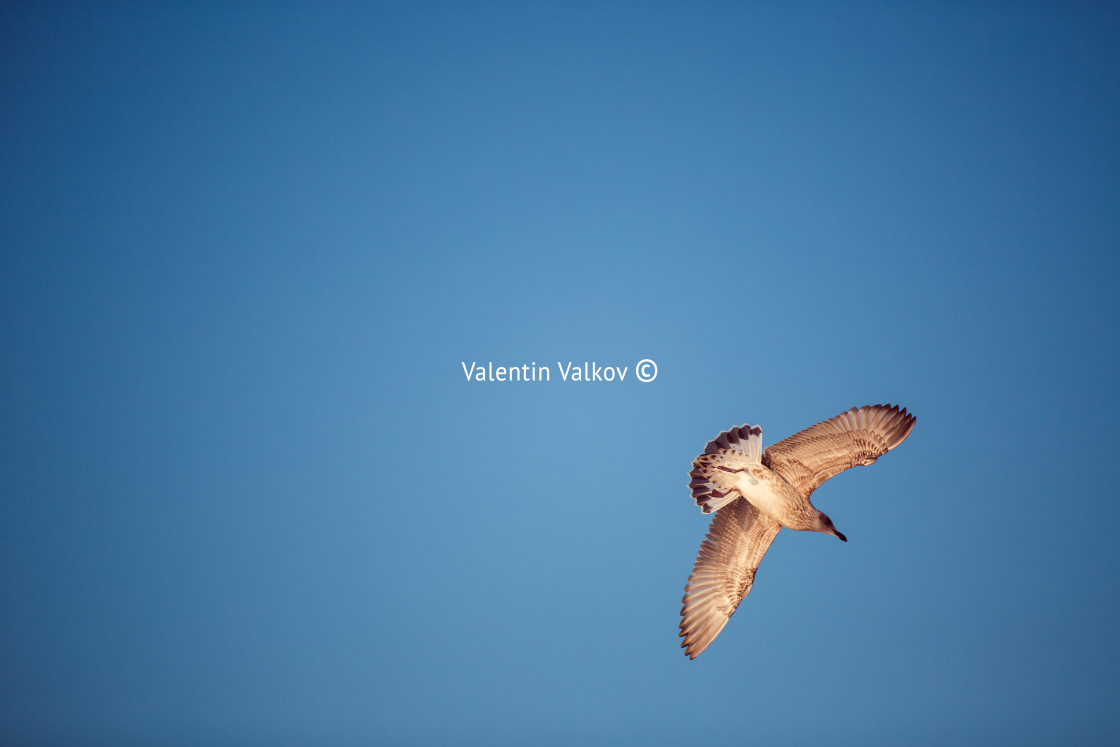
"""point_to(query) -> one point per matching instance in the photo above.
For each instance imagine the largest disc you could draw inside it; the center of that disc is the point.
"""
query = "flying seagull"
(755, 493)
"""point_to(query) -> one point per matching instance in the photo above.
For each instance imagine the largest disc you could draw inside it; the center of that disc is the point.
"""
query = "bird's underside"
(734, 464)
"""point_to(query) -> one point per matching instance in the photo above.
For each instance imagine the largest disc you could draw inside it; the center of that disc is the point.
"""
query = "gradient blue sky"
(248, 496)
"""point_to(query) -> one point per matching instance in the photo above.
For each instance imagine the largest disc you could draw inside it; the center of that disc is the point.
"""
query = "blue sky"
(250, 497)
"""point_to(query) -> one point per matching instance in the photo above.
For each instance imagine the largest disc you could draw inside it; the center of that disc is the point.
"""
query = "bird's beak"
(842, 537)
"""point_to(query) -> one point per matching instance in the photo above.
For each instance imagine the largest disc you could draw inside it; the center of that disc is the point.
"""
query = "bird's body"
(755, 493)
(767, 491)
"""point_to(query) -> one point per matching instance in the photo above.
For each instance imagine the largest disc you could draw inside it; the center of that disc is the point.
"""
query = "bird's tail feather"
(741, 445)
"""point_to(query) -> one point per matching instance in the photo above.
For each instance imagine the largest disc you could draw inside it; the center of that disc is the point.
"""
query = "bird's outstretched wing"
(856, 437)
(724, 571)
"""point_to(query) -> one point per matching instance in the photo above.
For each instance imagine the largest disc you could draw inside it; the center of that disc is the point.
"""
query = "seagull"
(754, 493)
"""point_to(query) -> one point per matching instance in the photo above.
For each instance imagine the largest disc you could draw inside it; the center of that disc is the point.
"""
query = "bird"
(756, 492)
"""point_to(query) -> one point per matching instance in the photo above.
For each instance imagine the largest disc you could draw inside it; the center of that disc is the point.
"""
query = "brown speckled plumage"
(779, 482)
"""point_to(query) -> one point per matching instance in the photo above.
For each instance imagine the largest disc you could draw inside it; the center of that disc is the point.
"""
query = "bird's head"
(824, 524)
